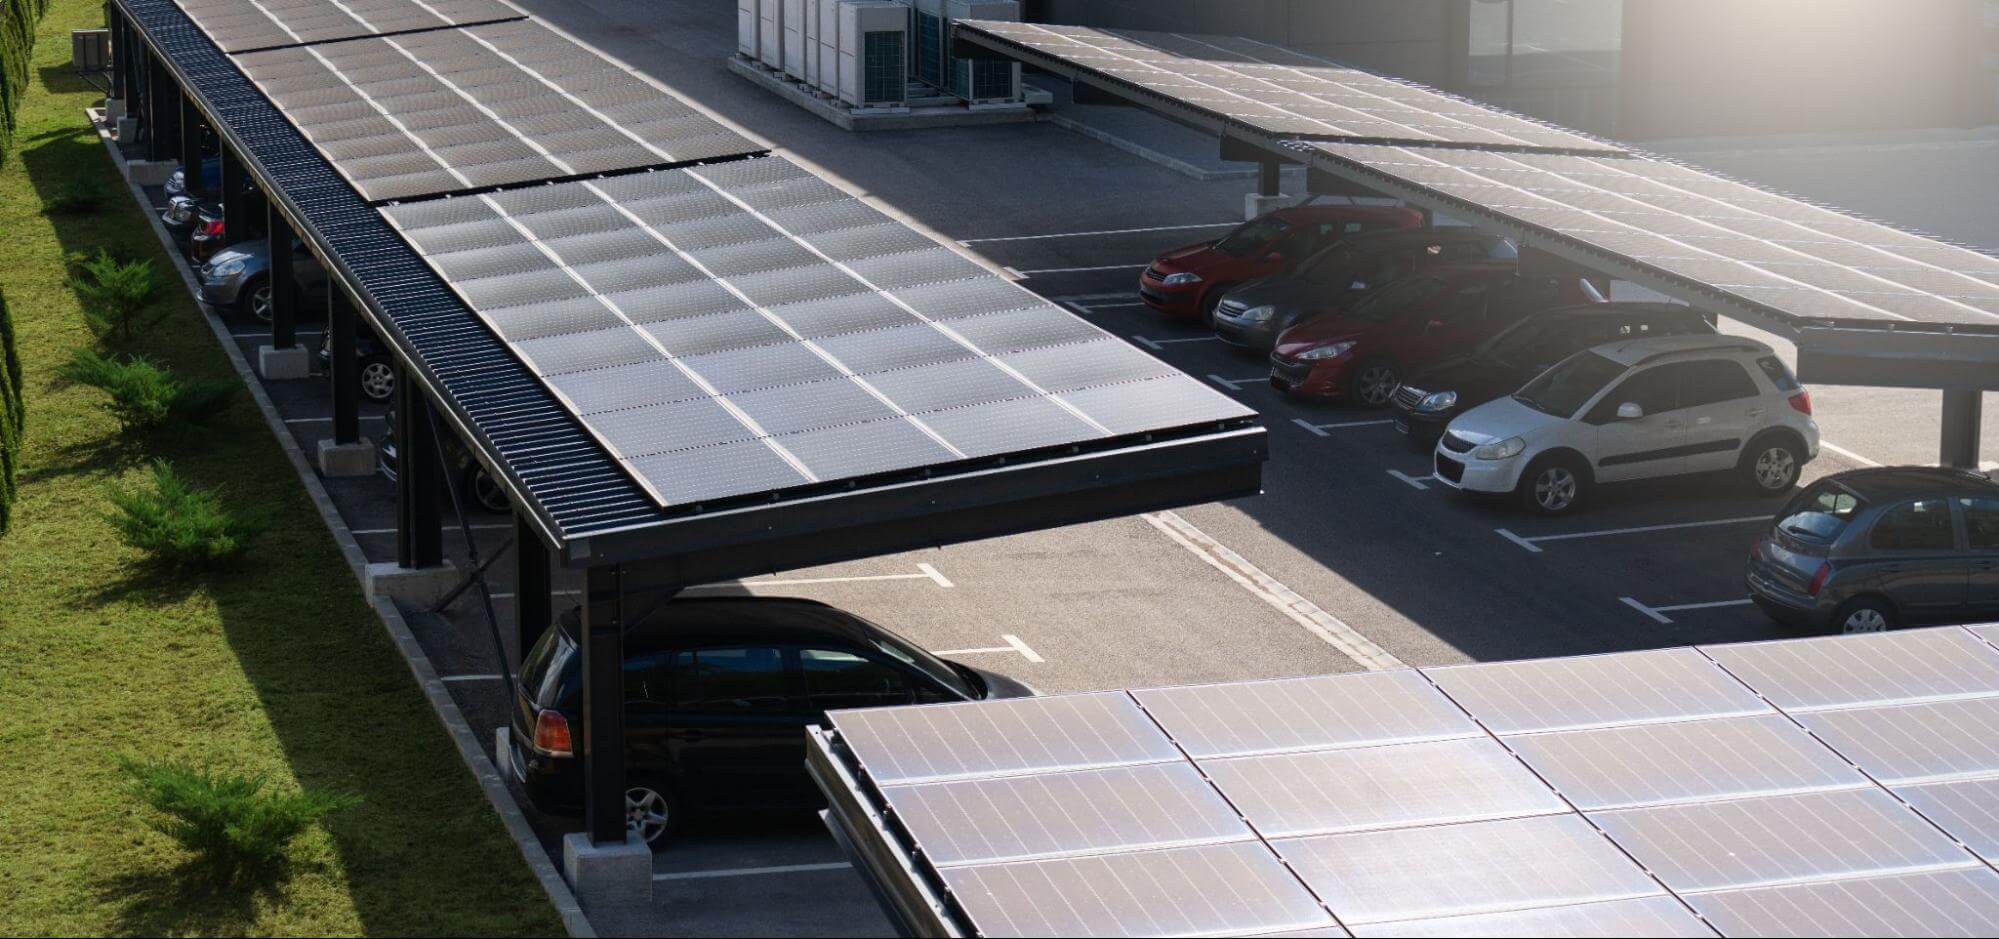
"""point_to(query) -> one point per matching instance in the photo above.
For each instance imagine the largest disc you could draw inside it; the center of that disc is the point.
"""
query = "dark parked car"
(1431, 396)
(377, 370)
(718, 693)
(1251, 316)
(238, 278)
(475, 485)
(1872, 549)
(1188, 281)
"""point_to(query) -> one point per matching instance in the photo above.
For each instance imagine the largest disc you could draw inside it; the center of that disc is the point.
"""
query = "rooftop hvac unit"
(748, 25)
(794, 39)
(985, 81)
(874, 50)
(928, 49)
(826, 48)
(770, 33)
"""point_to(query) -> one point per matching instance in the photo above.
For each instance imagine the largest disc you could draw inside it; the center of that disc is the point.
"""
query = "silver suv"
(1639, 409)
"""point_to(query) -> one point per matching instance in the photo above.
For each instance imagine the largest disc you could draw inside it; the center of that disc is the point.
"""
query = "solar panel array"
(746, 327)
(1279, 91)
(1796, 259)
(1836, 786)
(244, 25)
(459, 109)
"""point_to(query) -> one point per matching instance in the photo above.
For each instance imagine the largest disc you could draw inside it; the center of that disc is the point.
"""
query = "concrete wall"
(1701, 68)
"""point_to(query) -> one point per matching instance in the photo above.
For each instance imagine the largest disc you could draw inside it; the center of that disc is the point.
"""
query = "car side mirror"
(1629, 411)
(1277, 256)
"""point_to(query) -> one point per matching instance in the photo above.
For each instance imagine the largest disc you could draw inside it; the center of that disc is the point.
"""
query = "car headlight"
(1438, 401)
(229, 268)
(1501, 449)
(1258, 314)
(1326, 352)
(1184, 277)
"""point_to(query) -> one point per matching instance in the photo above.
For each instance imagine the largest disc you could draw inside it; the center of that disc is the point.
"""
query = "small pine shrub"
(117, 295)
(146, 397)
(231, 824)
(180, 525)
(75, 197)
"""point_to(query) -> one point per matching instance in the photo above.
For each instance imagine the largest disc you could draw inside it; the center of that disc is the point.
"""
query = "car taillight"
(211, 228)
(551, 734)
(1817, 584)
(1802, 402)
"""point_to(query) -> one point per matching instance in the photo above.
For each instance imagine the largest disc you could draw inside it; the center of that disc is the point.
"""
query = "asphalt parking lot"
(1351, 558)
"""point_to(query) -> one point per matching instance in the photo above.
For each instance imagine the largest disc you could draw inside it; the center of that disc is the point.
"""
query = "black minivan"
(718, 693)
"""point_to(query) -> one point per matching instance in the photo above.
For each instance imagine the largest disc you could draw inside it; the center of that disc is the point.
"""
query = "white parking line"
(1267, 588)
(1320, 429)
(1013, 644)
(1849, 454)
(1157, 345)
(923, 572)
(1420, 482)
(1073, 270)
(260, 335)
(1532, 543)
(1107, 231)
(328, 420)
(1658, 613)
(1092, 297)
(752, 871)
(390, 531)
(1235, 384)
(471, 678)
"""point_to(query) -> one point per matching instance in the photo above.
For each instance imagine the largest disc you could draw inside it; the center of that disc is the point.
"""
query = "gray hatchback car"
(1872, 549)
(238, 278)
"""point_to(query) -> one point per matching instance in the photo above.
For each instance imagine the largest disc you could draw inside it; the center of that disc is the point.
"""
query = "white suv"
(1638, 409)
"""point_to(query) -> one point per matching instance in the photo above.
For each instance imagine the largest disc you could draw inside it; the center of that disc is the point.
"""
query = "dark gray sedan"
(238, 278)
(1874, 549)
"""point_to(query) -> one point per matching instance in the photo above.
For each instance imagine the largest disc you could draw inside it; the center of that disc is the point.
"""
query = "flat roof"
(861, 493)
(1822, 784)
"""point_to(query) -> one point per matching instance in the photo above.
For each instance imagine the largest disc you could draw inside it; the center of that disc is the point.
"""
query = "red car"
(1362, 354)
(1187, 282)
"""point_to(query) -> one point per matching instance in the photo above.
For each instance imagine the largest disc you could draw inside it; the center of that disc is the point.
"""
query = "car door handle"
(1704, 420)
(1676, 425)
(1755, 412)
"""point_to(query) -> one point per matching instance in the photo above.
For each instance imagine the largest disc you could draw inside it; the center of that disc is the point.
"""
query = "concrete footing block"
(608, 877)
(275, 364)
(1254, 205)
(151, 172)
(126, 129)
(347, 459)
(411, 586)
(114, 110)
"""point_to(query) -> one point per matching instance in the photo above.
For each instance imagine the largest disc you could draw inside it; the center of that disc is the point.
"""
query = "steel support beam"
(1267, 181)
(189, 134)
(161, 93)
(121, 61)
(1963, 411)
(534, 591)
(419, 480)
(603, 652)
(284, 280)
(235, 196)
(342, 323)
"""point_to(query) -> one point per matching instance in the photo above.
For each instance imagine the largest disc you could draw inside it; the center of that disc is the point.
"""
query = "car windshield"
(1519, 343)
(1564, 389)
(1395, 299)
(1332, 267)
(937, 669)
(1821, 512)
(1250, 237)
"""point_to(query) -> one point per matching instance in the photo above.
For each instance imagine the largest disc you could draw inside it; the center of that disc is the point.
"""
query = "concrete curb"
(441, 703)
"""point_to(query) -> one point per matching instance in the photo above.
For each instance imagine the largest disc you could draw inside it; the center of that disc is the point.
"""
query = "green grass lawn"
(276, 667)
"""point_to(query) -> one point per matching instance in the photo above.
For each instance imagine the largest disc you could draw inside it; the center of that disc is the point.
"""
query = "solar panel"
(482, 106)
(1595, 691)
(1915, 742)
(997, 738)
(1276, 90)
(1359, 709)
(1645, 916)
(1202, 890)
(1780, 839)
(1651, 764)
(1886, 668)
(1480, 867)
(1325, 791)
(1966, 809)
(1940, 903)
(239, 25)
(692, 270)
(1704, 232)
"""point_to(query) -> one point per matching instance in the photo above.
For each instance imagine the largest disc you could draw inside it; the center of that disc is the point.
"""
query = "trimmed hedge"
(13, 413)
(17, 42)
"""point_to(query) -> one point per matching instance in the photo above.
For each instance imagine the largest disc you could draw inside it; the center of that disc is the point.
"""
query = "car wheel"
(486, 492)
(649, 813)
(1374, 384)
(1210, 300)
(1772, 465)
(255, 301)
(378, 378)
(1552, 486)
(1864, 615)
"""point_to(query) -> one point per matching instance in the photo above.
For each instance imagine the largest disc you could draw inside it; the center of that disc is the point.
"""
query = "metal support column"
(160, 92)
(1963, 411)
(341, 323)
(284, 281)
(534, 606)
(1267, 182)
(121, 61)
(603, 652)
(189, 133)
(235, 200)
(419, 481)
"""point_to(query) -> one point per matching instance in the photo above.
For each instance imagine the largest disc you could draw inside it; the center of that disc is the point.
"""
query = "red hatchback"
(1187, 282)
(1362, 354)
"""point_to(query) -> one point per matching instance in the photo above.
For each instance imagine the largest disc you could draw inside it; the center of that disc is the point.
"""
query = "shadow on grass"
(192, 897)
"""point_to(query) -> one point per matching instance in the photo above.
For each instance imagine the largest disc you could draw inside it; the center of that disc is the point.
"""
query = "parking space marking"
(1420, 482)
(1158, 345)
(260, 335)
(1266, 588)
(1074, 270)
(923, 572)
(1108, 231)
(1235, 384)
(471, 678)
(1849, 454)
(1091, 297)
(1013, 644)
(503, 526)
(752, 871)
(328, 420)
(1320, 429)
(1533, 542)
(1658, 613)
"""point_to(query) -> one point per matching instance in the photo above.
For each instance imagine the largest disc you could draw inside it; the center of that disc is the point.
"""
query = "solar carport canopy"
(1836, 786)
(243, 25)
